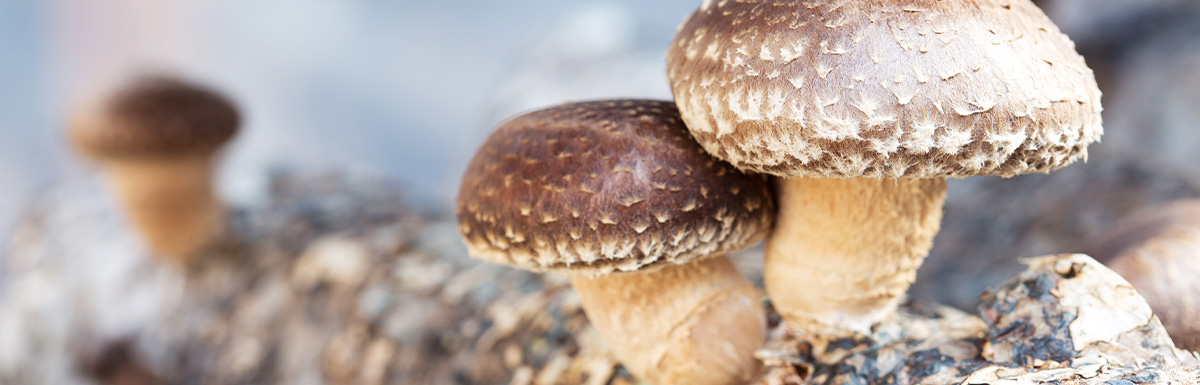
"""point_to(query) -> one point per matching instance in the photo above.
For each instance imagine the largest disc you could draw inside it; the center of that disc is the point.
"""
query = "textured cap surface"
(870, 88)
(154, 117)
(603, 186)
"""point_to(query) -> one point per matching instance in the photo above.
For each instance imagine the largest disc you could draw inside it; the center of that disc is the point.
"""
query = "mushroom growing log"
(424, 313)
(1066, 320)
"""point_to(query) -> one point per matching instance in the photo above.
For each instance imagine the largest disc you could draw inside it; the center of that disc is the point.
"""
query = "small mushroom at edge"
(1158, 252)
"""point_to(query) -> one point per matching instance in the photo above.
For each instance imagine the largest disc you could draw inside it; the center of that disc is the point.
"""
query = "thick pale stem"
(697, 323)
(171, 201)
(844, 251)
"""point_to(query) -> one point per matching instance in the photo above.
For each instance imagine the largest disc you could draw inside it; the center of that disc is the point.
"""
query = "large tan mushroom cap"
(870, 88)
(154, 117)
(599, 187)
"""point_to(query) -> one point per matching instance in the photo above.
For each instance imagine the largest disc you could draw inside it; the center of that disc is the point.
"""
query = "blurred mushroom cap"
(152, 117)
(922, 89)
(605, 186)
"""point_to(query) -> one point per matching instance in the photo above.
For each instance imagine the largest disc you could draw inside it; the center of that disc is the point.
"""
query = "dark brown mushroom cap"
(884, 88)
(605, 186)
(153, 117)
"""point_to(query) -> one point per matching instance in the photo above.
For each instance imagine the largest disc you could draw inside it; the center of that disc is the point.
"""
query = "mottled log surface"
(1065, 320)
(333, 281)
(336, 281)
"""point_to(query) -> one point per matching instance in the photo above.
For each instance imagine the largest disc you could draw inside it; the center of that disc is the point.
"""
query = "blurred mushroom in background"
(1158, 251)
(156, 137)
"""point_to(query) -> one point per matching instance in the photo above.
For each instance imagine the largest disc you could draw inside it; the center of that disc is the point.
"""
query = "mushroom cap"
(154, 117)
(883, 88)
(597, 187)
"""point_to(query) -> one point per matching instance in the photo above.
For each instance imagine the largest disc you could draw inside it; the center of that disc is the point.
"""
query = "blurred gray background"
(407, 90)
(402, 89)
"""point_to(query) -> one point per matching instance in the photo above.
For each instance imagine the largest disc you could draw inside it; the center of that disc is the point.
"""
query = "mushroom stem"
(171, 201)
(844, 251)
(695, 323)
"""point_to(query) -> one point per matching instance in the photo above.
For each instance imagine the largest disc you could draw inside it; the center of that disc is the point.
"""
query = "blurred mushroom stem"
(171, 201)
(844, 251)
(695, 323)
